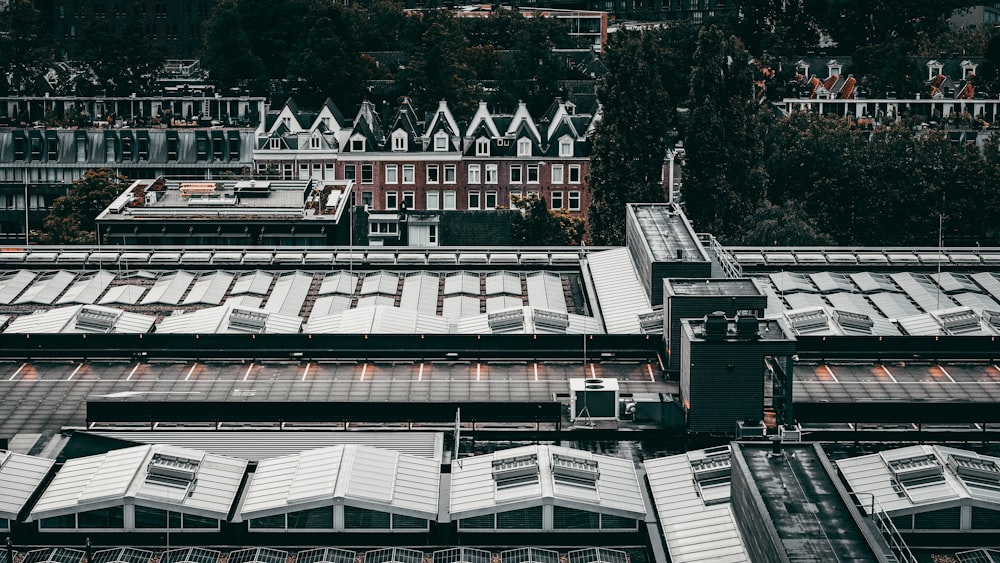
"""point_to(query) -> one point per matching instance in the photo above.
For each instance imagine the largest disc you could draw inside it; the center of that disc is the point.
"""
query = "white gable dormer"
(483, 146)
(524, 147)
(358, 143)
(482, 116)
(934, 68)
(968, 69)
(834, 68)
(315, 140)
(565, 146)
(440, 142)
(400, 141)
(443, 114)
(287, 118)
(521, 116)
(802, 68)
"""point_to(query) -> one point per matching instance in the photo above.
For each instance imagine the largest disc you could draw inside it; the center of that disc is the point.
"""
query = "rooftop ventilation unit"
(854, 321)
(172, 470)
(977, 467)
(215, 201)
(96, 319)
(712, 467)
(716, 325)
(251, 321)
(808, 320)
(551, 320)
(652, 322)
(915, 468)
(513, 471)
(992, 317)
(747, 326)
(252, 188)
(571, 470)
(506, 320)
(961, 321)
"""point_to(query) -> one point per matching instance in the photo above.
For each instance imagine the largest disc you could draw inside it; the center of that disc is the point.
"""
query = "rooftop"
(667, 232)
(714, 287)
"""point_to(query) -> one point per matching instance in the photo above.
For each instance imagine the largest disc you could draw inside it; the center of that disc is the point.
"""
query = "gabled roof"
(405, 120)
(20, 476)
(331, 109)
(368, 124)
(442, 120)
(475, 492)
(130, 476)
(355, 475)
(521, 122)
(924, 478)
(482, 121)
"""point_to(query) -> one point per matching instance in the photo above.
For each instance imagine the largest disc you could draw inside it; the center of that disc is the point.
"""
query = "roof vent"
(506, 320)
(651, 322)
(552, 320)
(808, 320)
(252, 188)
(976, 467)
(172, 470)
(992, 317)
(246, 320)
(569, 470)
(716, 325)
(958, 322)
(747, 326)
(514, 471)
(97, 319)
(854, 321)
(915, 468)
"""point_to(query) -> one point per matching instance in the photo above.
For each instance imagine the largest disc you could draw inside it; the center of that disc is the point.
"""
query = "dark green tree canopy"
(538, 225)
(73, 218)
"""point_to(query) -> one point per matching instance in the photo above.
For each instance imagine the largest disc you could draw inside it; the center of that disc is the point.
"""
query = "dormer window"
(287, 122)
(523, 147)
(275, 143)
(399, 141)
(802, 68)
(933, 69)
(326, 123)
(441, 142)
(314, 142)
(482, 147)
(565, 147)
(834, 68)
(968, 69)
(358, 144)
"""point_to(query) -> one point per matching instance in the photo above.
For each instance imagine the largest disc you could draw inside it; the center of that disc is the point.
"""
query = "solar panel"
(169, 289)
(210, 289)
(461, 283)
(786, 282)
(420, 293)
(804, 300)
(953, 283)
(529, 555)
(123, 295)
(12, 285)
(190, 555)
(498, 283)
(976, 301)
(923, 291)
(545, 291)
(258, 555)
(978, 556)
(598, 555)
(828, 282)
(394, 555)
(382, 282)
(339, 282)
(868, 282)
(289, 293)
(54, 555)
(894, 305)
(326, 555)
(854, 303)
(256, 282)
(87, 288)
(123, 555)
(46, 288)
(462, 555)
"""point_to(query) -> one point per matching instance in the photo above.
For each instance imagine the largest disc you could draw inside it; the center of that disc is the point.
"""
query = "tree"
(538, 225)
(725, 180)
(117, 66)
(437, 70)
(73, 218)
(857, 23)
(227, 52)
(786, 225)
(632, 136)
(25, 48)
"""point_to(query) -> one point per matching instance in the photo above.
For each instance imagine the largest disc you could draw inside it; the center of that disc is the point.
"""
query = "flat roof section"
(810, 518)
(667, 231)
(714, 287)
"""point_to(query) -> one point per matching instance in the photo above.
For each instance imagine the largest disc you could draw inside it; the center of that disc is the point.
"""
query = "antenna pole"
(584, 413)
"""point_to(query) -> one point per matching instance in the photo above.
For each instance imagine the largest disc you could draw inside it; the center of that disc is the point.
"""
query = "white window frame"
(392, 203)
(519, 174)
(412, 197)
(433, 199)
(565, 147)
(453, 170)
(274, 144)
(528, 173)
(355, 146)
(523, 147)
(510, 197)
(573, 195)
(391, 174)
(475, 174)
(449, 200)
(482, 146)
(556, 173)
(314, 142)
(441, 142)
(399, 141)
(492, 173)
(371, 179)
(490, 195)
(409, 174)
(575, 170)
(477, 203)
(437, 174)
(556, 200)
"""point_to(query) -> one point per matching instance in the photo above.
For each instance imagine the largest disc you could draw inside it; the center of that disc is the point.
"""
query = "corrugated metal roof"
(894, 305)
(377, 319)
(545, 291)
(369, 301)
(123, 295)
(12, 286)
(466, 283)
(256, 445)
(474, 491)
(923, 291)
(46, 288)
(68, 320)
(255, 282)
(459, 306)
(289, 293)
(226, 319)
(620, 296)
(210, 288)
(339, 282)
(20, 476)
(420, 293)
(382, 282)
(692, 530)
(109, 479)
(872, 475)
(360, 476)
(501, 302)
(330, 305)
(169, 289)
(498, 283)
(87, 288)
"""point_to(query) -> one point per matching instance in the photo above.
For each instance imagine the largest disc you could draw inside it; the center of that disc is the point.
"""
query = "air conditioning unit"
(593, 398)
(751, 430)
(791, 432)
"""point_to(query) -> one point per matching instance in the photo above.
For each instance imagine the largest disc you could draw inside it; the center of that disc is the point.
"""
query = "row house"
(402, 161)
